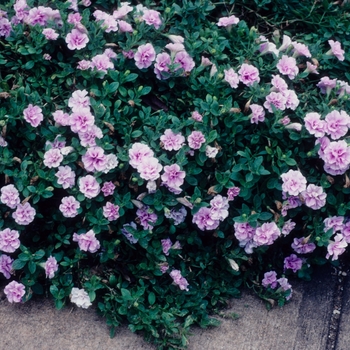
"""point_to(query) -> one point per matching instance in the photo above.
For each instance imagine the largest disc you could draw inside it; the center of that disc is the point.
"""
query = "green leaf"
(151, 298)
(32, 267)
(18, 264)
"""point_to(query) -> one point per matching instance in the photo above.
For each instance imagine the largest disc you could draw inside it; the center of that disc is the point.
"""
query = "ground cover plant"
(157, 157)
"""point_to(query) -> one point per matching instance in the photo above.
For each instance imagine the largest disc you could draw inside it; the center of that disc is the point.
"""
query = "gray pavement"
(316, 318)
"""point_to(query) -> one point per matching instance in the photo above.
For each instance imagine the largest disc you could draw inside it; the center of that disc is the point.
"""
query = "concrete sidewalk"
(316, 318)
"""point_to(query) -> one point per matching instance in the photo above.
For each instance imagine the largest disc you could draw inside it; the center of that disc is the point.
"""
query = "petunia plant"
(156, 157)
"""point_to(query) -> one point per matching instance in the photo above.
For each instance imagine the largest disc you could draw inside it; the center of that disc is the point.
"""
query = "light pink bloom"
(172, 141)
(314, 125)
(311, 68)
(138, 152)
(102, 63)
(293, 182)
(324, 143)
(69, 207)
(65, 177)
(344, 88)
(286, 43)
(76, 40)
(336, 50)
(326, 85)
(302, 245)
(79, 99)
(204, 221)
(124, 27)
(314, 197)
(14, 292)
(144, 56)
(288, 66)
(196, 116)
(337, 124)
(336, 223)
(9, 241)
(74, 18)
(195, 139)
(53, 158)
(50, 34)
(24, 214)
(205, 62)
(111, 211)
(276, 99)
(267, 47)
(269, 280)
(294, 126)
(185, 60)
(300, 50)
(177, 215)
(288, 226)
(89, 186)
(112, 163)
(152, 17)
(84, 65)
(232, 193)
(176, 39)
(219, 208)
(266, 234)
(149, 168)
(293, 262)
(109, 22)
(81, 120)
(94, 159)
(284, 285)
(248, 74)
(61, 118)
(50, 267)
(163, 61)
(33, 115)
(278, 83)
(5, 27)
(231, 77)
(10, 196)
(336, 247)
(292, 100)
(6, 265)
(166, 245)
(21, 8)
(211, 152)
(80, 297)
(88, 138)
(87, 241)
(258, 113)
(179, 280)
(86, 3)
(336, 157)
(173, 178)
(122, 11)
(147, 217)
(108, 188)
(243, 232)
(227, 21)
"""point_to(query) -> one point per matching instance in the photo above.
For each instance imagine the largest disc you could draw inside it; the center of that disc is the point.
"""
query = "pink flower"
(112, 163)
(248, 74)
(94, 159)
(243, 232)
(288, 66)
(185, 60)
(336, 50)
(124, 27)
(33, 116)
(53, 158)
(276, 99)
(196, 116)
(175, 47)
(292, 100)
(324, 143)
(76, 40)
(87, 241)
(179, 280)
(109, 23)
(176, 39)
(147, 217)
(337, 124)
(293, 182)
(311, 68)
(24, 214)
(266, 234)
(336, 157)
(84, 65)
(302, 245)
(163, 61)
(293, 262)
(172, 141)
(219, 208)
(204, 221)
(195, 139)
(326, 85)
(74, 18)
(81, 120)
(278, 83)
(6, 265)
(288, 227)
(152, 17)
(80, 297)
(102, 63)
(111, 211)
(258, 113)
(89, 186)
(211, 152)
(10, 196)
(300, 50)
(149, 168)
(50, 34)
(173, 178)
(336, 223)
(231, 77)
(286, 43)
(177, 215)
(144, 56)
(336, 247)
(166, 245)
(14, 292)
(269, 280)
(88, 138)
(9, 241)
(50, 267)
(108, 188)
(227, 21)
(69, 207)
(79, 99)
(284, 285)
(122, 11)
(314, 125)
(232, 193)
(65, 177)
(138, 152)
(61, 118)
(5, 27)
